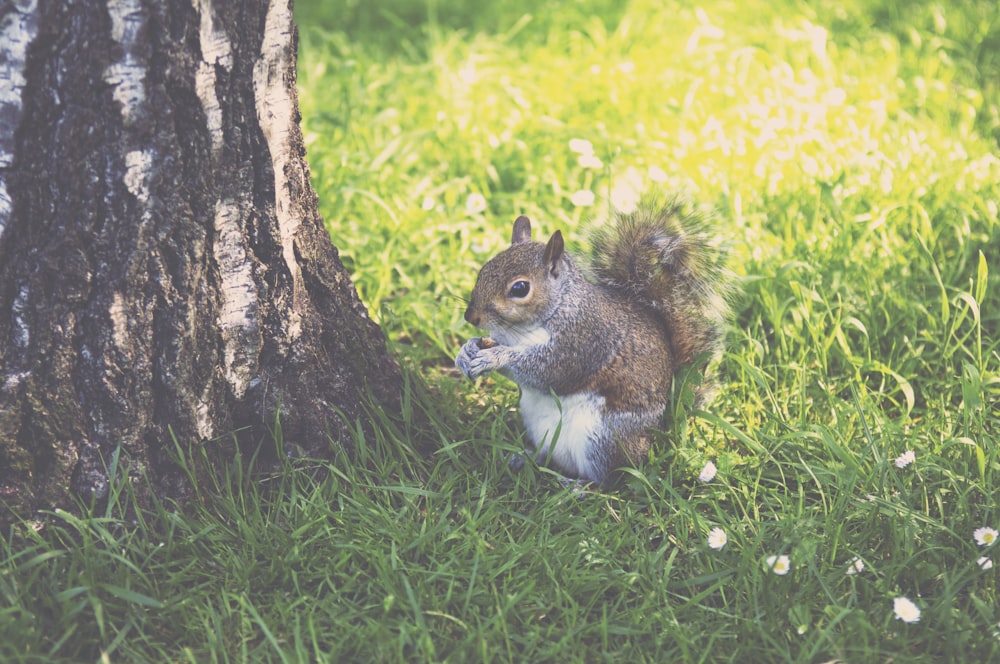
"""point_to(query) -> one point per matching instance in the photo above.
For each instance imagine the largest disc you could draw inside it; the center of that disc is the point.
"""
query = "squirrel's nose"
(472, 317)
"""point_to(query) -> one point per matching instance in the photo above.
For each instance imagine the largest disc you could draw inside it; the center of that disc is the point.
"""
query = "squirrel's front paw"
(474, 359)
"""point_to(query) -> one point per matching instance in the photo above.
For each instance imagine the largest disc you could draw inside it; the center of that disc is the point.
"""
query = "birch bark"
(163, 267)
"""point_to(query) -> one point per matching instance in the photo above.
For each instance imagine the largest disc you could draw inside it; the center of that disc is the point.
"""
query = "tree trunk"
(163, 267)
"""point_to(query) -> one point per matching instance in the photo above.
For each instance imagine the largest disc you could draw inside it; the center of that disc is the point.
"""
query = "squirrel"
(594, 358)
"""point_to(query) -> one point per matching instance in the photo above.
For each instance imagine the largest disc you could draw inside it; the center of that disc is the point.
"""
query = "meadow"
(852, 157)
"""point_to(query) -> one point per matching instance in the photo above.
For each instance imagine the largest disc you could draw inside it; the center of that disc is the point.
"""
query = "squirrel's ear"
(522, 230)
(553, 253)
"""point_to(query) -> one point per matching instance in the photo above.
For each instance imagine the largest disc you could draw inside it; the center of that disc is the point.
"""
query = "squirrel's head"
(516, 287)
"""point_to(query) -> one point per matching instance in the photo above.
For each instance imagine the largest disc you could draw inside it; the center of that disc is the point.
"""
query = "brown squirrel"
(595, 358)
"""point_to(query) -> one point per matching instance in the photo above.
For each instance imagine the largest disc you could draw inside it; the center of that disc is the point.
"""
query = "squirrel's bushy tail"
(665, 255)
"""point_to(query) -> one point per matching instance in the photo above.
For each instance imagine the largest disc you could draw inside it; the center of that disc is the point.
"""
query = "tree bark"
(163, 267)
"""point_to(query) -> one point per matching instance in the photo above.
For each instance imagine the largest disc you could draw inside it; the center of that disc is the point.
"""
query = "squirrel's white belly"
(572, 421)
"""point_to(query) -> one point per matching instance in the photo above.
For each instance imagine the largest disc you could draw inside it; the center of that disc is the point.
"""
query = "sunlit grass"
(855, 175)
(851, 154)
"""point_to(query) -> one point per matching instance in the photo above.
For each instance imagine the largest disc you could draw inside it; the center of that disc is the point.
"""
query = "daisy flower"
(985, 563)
(657, 174)
(626, 190)
(475, 203)
(717, 538)
(779, 564)
(856, 566)
(589, 161)
(582, 198)
(905, 459)
(708, 472)
(906, 610)
(581, 146)
(427, 203)
(985, 536)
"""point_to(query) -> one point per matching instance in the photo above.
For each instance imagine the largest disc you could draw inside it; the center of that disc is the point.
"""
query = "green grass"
(853, 155)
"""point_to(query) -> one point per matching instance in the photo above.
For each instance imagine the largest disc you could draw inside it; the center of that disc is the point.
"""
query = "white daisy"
(985, 536)
(717, 538)
(656, 174)
(780, 565)
(581, 146)
(582, 198)
(475, 203)
(626, 191)
(906, 610)
(708, 472)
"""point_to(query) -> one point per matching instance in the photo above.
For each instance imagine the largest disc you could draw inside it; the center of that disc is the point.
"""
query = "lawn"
(852, 156)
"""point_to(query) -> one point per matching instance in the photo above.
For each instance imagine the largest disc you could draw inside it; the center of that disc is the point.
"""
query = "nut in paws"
(476, 359)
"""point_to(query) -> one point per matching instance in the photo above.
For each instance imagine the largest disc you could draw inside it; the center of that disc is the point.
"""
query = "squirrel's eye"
(520, 289)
